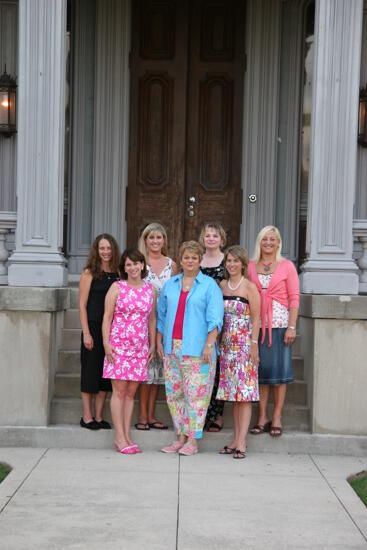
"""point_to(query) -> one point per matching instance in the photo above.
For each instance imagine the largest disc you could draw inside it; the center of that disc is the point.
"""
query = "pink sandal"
(128, 450)
(173, 448)
(188, 450)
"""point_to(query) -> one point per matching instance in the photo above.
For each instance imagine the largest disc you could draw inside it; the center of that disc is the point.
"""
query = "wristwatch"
(292, 328)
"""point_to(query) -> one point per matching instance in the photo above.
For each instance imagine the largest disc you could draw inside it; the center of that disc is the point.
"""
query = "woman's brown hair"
(240, 254)
(93, 264)
(135, 256)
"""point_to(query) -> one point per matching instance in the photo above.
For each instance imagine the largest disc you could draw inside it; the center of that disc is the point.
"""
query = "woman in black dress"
(100, 272)
(213, 239)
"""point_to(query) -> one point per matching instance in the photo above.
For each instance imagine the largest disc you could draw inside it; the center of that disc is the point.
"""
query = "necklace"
(267, 266)
(234, 287)
(186, 286)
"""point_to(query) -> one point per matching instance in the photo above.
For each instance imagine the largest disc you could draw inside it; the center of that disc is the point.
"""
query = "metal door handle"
(252, 198)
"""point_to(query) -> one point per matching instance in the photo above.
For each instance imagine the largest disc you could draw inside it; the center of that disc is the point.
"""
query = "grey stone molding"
(333, 156)
(360, 233)
(333, 307)
(37, 259)
(34, 299)
(8, 223)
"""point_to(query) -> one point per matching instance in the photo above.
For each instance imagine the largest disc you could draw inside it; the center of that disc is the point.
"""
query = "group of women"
(197, 331)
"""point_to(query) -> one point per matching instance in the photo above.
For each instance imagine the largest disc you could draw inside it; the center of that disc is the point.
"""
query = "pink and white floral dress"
(129, 335)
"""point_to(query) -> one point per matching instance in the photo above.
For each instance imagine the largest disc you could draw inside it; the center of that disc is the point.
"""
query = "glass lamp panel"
(4, 107)
(12, 110)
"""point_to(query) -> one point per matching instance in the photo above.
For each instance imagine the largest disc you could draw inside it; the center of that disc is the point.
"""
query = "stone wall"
(334, 345)
(30, 325)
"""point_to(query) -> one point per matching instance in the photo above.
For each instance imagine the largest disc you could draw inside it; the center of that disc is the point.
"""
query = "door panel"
(156, 189)
(214, 131)
(187, 68)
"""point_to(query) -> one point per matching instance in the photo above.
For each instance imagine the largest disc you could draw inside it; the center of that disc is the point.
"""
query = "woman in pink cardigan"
(277, 281)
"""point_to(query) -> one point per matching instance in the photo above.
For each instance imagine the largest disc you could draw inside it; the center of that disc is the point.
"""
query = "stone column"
(260, 130)
(37, 259)
(330, 268)
(111, 123)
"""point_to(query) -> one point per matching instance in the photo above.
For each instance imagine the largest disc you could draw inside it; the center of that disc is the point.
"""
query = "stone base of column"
(329, 277)
(42, 270)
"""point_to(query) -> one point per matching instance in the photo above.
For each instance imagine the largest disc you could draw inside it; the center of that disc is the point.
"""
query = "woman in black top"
(100, 272)
(213, 238)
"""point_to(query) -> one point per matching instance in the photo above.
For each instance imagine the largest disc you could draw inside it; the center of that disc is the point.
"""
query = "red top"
(178, 326)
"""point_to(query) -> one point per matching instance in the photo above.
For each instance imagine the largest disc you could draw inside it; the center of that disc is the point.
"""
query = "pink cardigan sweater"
(283, 287)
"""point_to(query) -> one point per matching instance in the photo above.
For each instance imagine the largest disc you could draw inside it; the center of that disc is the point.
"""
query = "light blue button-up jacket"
(203, 312)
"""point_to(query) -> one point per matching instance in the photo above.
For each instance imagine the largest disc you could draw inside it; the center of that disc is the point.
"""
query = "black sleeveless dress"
(216, 407)
(91, 380)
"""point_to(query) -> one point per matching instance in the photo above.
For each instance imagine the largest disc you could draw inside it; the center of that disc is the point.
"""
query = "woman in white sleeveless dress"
(153, 244)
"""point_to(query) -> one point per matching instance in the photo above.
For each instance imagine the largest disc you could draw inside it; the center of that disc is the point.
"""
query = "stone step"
(292, 442)
(70, 339)
(69, 362)
(71, 319)
(74, 297)
(69, 410)
(68, 385)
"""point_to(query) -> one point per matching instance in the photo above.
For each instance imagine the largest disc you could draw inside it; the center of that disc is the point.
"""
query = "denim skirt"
(275, 365)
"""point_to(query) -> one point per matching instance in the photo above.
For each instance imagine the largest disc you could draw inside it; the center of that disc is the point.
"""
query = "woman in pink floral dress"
(128, 329)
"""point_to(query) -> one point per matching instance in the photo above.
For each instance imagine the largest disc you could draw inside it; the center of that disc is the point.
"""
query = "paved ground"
(97, 499)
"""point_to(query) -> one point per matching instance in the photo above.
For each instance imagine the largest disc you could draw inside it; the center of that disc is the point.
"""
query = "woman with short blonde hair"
(191, 246)
(190, 315)
(213, 238)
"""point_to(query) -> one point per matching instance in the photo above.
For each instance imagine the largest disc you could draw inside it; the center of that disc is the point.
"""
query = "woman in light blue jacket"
(190, 316)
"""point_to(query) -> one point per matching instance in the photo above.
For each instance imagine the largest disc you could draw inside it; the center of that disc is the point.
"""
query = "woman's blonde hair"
(241, 254)
(218, 228)
(193, 246)
(257, 253)
(153, 227)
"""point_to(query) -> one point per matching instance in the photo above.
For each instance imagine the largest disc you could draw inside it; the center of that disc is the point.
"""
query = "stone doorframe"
(37, 259)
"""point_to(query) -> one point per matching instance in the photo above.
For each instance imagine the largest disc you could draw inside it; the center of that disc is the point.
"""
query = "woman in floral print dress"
(160, 268)
(239, 346)
(129, 326)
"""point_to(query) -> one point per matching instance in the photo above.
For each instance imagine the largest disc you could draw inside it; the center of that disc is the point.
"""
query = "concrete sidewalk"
(97, 499)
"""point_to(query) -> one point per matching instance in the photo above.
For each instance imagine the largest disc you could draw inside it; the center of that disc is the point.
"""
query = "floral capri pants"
(189, 385)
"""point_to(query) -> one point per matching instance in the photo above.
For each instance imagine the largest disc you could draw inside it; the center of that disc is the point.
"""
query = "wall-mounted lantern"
(362, 117)
(8, 111)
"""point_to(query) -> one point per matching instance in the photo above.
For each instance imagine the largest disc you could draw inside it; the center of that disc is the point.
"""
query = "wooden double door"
(187, 67)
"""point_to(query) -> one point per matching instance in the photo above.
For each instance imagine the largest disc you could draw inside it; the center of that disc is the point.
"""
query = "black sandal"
(227, 450)
(217, 428)
(260, 429)
(142, 426)
(239, 455)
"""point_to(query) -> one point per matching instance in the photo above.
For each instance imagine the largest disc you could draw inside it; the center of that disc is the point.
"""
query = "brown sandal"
(260, 429)
(276, 431)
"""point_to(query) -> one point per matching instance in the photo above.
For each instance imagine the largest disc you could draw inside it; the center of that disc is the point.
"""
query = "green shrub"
(4, 470)
(359, 484)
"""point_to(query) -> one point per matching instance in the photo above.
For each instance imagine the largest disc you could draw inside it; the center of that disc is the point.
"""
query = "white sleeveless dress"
(156, 369)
